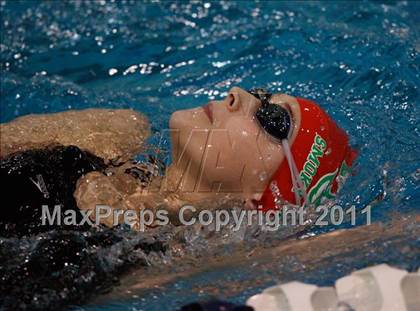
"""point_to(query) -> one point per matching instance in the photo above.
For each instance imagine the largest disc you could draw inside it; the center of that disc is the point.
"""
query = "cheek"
(247, 136)
(253, 146)
(243, 132)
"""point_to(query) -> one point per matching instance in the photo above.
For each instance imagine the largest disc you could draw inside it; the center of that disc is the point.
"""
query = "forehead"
(274, 98)
(262, 94)
(281, 98)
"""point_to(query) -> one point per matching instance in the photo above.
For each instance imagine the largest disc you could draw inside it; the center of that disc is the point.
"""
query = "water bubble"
(263, 176)
(112, 71)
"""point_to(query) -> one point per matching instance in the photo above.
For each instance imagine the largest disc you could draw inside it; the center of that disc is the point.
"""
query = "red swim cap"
(322, 155)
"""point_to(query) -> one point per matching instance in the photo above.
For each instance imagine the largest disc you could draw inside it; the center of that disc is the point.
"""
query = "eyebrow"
(265, 100)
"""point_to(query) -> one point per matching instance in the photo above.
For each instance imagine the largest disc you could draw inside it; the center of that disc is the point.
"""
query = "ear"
(250, 204)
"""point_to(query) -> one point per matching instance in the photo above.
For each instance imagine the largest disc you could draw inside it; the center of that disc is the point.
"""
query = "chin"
(189, 119)
(177, 120)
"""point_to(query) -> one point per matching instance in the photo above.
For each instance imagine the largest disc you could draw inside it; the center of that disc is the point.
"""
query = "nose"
(240, 100)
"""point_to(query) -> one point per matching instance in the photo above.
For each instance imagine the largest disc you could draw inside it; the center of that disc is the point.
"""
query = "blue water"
(359, 60)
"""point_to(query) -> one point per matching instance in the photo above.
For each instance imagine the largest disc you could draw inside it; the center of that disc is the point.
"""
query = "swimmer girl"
(252, 149)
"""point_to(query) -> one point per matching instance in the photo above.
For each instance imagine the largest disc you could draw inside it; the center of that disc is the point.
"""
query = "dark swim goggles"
(277, 122)
(274, 119)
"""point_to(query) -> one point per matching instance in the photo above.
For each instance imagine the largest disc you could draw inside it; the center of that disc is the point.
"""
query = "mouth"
(208, 111)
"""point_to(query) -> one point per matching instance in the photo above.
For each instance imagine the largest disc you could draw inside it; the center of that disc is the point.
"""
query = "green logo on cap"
(322, 189)
(312, 161)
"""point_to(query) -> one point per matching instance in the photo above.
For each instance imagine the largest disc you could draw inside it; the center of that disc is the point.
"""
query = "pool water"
(358, 60)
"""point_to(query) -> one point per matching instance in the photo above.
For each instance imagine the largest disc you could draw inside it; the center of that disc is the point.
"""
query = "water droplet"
(263, 176)
(112, 71)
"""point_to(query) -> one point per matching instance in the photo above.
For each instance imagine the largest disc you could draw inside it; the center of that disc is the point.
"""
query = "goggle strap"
(298, 187)
(299, 182)
(288, 154)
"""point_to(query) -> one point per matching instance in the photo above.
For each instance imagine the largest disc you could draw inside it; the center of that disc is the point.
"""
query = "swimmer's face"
(221, 147)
